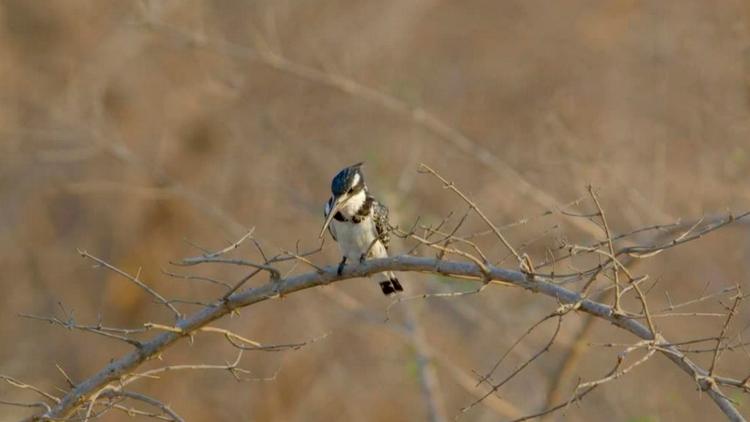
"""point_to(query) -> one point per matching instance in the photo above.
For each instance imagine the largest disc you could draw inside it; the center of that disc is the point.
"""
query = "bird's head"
(346, 185)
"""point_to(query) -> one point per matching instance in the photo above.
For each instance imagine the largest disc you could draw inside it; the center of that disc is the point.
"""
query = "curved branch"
(129, 362)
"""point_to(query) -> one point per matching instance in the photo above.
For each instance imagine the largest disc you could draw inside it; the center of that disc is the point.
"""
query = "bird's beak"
(334, 209)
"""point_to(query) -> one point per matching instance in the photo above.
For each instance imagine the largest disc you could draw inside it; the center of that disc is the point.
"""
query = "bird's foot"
(341, 266)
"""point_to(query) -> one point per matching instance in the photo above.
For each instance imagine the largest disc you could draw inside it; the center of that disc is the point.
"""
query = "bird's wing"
(380, 217)
(326, 210)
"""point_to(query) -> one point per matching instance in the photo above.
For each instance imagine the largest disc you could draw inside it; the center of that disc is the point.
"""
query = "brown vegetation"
(136, 130)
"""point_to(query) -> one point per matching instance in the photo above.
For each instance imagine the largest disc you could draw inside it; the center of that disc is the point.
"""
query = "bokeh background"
(135, 129)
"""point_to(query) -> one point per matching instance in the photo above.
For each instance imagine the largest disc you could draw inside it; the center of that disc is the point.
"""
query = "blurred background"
(134, 130)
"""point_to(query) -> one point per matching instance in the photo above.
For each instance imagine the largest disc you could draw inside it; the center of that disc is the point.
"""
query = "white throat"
(353, 204)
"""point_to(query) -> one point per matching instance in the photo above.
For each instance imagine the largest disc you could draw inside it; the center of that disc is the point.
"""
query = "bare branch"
(648, 251)
(112, 393)
(473, 206)
(195, 277)
(186, 262)
(610, 245)
(41, 404)
(732, 313)
(126, 364)
(700, 299)
(135, 280)
(497, 386)
(232, 246)
(113, 333)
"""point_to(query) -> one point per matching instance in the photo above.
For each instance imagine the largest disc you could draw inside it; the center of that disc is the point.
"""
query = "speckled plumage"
(360, 225)
(380, 215)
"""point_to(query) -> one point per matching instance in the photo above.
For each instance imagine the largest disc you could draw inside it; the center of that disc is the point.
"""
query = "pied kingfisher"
(359, 223)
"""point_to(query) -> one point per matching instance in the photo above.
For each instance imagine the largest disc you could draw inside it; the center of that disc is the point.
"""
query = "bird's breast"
(354, 239)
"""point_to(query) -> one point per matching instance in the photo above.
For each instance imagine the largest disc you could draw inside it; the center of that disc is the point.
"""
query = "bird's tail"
(389, 283)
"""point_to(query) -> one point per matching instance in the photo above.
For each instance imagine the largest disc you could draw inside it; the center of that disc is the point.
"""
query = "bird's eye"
(351, 190)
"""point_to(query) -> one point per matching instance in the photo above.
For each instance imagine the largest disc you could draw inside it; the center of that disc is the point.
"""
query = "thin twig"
(451, 186)
(717, 350)
(134, 279)
(610, 245)
(497, 386)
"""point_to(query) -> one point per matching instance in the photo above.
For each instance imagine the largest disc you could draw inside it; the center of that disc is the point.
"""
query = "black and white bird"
(358, 223)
